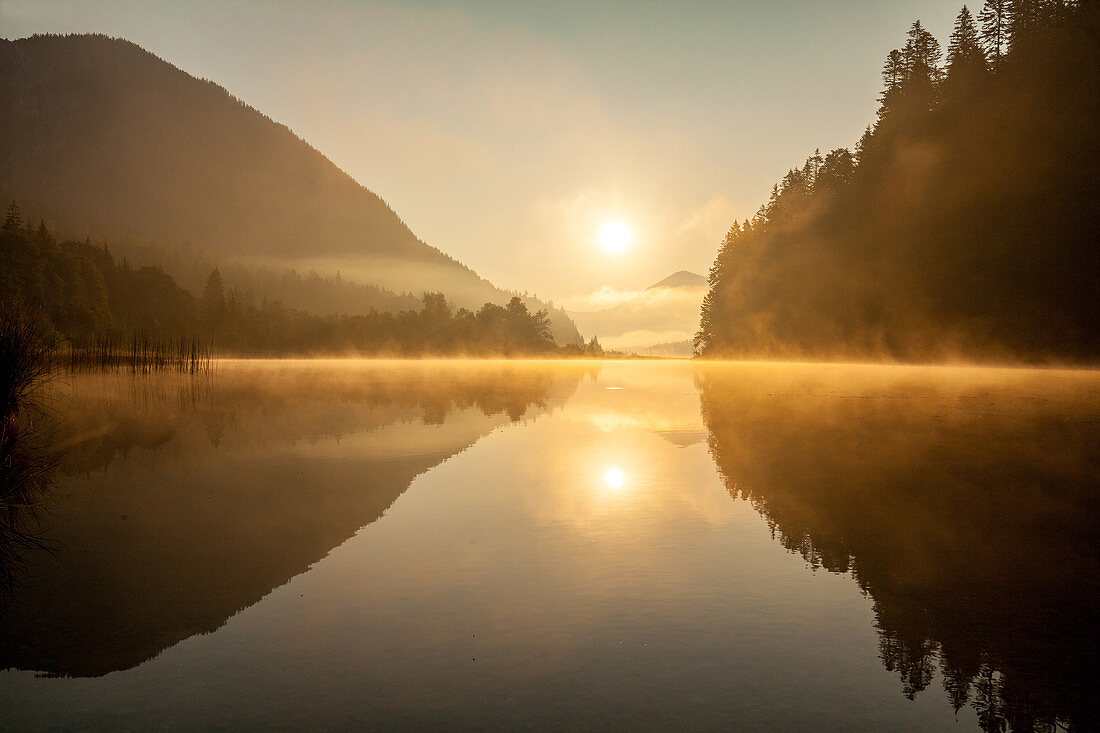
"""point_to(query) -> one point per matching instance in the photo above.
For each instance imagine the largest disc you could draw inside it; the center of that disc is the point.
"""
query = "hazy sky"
(506, 133)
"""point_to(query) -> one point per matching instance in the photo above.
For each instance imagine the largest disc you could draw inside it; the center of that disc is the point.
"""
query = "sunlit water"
(568, 545)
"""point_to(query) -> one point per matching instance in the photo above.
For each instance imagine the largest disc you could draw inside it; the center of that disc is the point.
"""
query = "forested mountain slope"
(965, 224)
(104, 138)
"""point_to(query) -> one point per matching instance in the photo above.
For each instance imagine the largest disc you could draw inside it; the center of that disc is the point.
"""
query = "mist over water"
(553, 544)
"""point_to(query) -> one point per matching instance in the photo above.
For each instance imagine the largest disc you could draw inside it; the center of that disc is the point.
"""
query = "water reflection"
(964, 502)
(181, 502)
(27, 461)
(573, 558)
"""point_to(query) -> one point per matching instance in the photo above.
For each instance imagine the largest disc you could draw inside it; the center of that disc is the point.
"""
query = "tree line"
(963, 223)
(76, 290)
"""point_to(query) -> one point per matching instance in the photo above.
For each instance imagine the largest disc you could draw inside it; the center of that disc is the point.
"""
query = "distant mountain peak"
(681, 279)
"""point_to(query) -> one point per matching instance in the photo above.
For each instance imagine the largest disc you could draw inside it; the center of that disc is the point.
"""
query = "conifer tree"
(835, 172)
(863, 146)
(14, 218)
(813, 168)
(1025, 18)
(213, 298)
(965, 57)
(769, 210)
(912, 75)
(710, 320)
(921, 56)
(893, 76)
(994, 34)
(43, 235)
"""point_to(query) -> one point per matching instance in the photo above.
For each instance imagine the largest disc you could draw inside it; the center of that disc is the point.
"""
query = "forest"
(962, 226)
(75, 291)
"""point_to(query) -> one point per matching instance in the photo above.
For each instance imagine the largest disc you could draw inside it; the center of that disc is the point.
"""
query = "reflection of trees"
(231, 488)
(114, 416)
(966, 511)
(26, 463)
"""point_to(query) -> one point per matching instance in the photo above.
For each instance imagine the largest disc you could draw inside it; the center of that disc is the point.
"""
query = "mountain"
(658, 321)
(681, 279)
(100, 137)
(963, 226)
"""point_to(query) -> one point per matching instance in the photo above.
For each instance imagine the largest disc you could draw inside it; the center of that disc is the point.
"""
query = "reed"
(26, 360)
(140, 354)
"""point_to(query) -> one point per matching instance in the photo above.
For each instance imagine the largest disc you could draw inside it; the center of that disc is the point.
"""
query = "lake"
(619, 544)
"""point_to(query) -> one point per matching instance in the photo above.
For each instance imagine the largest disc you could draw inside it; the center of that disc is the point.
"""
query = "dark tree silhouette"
(965, 57)
(963, 224)
(14, 218)
(994, 33)
(213, 299)
(76, 291)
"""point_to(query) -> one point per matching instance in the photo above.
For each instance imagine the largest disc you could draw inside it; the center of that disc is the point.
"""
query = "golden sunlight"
(614, 478)
(615, 236)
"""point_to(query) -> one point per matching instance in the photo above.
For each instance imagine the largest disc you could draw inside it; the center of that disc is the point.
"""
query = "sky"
(508, 134)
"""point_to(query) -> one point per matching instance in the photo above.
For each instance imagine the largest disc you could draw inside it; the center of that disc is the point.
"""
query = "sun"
(615, 236)
(614, 478)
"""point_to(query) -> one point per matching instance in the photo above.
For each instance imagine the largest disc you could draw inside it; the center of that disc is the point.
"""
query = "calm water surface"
(593, 545)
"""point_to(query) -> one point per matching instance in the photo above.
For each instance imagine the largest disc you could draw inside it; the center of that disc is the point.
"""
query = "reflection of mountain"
(681, 437)
(666, 314)
(180, 510)
(966, 511)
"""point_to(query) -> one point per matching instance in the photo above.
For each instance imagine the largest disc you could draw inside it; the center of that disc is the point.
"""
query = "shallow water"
(564, 544)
